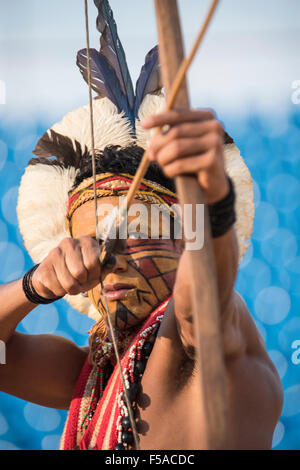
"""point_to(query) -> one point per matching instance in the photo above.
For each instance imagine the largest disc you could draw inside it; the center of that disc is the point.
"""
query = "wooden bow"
(206, 316)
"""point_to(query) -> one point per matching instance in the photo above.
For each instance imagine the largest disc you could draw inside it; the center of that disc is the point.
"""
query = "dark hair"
(114, 159)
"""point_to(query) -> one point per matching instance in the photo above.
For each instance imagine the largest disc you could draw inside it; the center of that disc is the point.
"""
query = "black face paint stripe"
(122, 314)
(147, 241)
(137, 249)
(135, 267)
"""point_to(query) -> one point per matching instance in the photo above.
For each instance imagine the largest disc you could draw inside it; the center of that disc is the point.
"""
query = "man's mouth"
(117, 291)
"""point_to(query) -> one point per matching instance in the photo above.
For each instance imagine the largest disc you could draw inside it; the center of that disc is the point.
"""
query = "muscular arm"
(226, 258)
(194, 144)
(253, 385)
(39, 368)
(44, 368)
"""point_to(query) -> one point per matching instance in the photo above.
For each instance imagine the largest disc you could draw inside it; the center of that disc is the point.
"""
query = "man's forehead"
(109, 186)
(148, 219)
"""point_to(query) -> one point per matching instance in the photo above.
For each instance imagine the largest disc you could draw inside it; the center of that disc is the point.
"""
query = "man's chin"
(126, 312)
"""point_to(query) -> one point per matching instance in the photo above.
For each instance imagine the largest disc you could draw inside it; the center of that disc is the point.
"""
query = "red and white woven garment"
(104, 428)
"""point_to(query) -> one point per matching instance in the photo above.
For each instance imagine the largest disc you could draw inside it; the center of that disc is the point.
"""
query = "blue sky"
(249, 58)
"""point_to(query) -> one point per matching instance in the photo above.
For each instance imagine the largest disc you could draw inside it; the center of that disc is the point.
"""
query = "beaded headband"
(110, 184)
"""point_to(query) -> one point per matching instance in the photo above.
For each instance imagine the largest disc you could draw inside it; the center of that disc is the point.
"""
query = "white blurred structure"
(249, 59)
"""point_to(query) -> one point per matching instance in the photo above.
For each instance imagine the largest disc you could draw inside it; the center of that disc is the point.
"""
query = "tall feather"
(104, 80)
(149, 80)
(112, 49)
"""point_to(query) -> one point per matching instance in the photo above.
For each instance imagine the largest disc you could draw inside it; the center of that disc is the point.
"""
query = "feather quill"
(149, 80)
(112, 48)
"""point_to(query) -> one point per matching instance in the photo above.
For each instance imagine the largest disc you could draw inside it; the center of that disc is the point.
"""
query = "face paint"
(143, 276)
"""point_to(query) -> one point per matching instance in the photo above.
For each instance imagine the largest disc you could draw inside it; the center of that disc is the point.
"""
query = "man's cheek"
(96, 299)
(147, 267)
(160, 272)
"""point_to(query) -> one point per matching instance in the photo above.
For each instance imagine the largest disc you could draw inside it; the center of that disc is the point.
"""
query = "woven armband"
(222, 214)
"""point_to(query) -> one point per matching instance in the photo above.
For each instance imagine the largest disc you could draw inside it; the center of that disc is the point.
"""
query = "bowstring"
(91, 112)
(128, 404)
(109, 322)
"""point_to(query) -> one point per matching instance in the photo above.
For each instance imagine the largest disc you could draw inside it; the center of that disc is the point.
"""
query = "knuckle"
(79, 273)
(89, 245)
(211, 158)
(72, 288)
(206, 114)
(220, 128)
(67, 242)
(175, 148)
(160, 158)
(174, 169)
(55, 252)
(168, 171)
(85, 239)
(155, 144)
(210, 113)
(92, 263)
(220, 141)
(175, 113)
(178, 166)
(174, 132)
(214, 140)
(215, 125)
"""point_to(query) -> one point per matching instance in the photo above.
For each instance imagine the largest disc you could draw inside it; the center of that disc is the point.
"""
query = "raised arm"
(194, 144)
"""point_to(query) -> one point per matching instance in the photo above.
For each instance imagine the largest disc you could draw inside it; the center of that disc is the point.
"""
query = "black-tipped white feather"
(67, 151)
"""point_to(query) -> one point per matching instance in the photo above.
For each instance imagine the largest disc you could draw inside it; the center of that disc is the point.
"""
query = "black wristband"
(222, 213)
(30, 291)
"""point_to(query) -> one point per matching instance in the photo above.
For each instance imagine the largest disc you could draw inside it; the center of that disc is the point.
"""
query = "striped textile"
(103, 430)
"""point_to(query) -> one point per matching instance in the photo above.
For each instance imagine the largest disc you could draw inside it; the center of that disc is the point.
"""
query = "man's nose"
(121, 264)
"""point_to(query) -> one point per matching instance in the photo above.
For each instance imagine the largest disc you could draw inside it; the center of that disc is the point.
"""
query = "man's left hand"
(192, 145)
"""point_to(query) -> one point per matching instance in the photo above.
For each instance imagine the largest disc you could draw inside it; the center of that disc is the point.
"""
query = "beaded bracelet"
(222, 214)
(30, 291)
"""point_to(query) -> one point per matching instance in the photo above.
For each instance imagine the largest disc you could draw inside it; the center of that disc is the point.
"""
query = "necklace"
(133, 369)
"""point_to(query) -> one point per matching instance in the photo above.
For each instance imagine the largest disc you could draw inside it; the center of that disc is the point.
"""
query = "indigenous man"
(145, 288)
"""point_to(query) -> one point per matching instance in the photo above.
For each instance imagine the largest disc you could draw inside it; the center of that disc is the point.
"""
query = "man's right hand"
(70, 268)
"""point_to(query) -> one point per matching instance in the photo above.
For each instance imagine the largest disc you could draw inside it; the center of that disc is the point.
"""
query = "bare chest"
(168, 404)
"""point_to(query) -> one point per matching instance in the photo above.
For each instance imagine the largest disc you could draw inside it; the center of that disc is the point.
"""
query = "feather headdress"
(118, 111)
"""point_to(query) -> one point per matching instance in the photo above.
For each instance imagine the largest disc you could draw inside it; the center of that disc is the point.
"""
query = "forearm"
(14, 306)
(225, 250)
(226, 256)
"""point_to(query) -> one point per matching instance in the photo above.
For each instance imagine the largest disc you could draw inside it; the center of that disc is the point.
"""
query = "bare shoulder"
(253, 342)
(85, 349)
(253, 384)
(253, 346)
